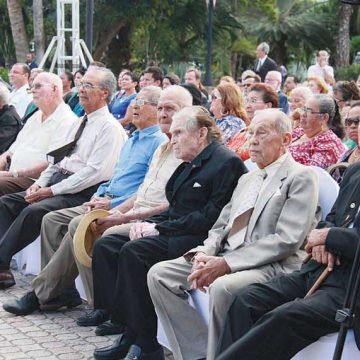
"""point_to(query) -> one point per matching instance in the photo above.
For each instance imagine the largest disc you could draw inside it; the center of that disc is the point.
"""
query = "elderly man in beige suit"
(258, 234)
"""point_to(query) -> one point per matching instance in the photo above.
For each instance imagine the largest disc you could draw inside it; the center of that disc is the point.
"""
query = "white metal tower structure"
(78, 46)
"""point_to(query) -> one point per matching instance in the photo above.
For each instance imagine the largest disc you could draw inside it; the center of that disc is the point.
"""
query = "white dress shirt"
(95, 155)
(39, 137)
(20, 99)
(317, 70)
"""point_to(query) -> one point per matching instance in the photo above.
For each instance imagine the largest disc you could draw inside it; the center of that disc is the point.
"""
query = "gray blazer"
(283, 216)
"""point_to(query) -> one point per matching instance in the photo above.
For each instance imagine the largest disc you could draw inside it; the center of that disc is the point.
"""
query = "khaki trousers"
(59, 265)
(187, 333)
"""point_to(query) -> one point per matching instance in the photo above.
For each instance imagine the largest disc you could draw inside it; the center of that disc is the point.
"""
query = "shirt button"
(352, 205)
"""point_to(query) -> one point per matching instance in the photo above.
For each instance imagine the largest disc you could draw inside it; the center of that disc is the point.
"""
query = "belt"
(65, 172)
(110, 196)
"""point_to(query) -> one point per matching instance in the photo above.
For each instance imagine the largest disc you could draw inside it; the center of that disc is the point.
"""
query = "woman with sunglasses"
(228, 109)
(317, 141)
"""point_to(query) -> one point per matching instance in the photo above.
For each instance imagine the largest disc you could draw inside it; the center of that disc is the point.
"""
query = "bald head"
(172, 99)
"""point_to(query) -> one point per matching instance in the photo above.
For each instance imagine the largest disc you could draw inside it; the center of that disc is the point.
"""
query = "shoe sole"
(55, 307)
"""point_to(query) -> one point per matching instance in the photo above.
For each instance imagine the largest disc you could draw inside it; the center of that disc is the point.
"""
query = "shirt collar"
(146, 132)
(103, 111)
(275, 166)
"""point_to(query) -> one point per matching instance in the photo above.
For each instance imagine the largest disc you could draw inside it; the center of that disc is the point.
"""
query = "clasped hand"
(142, 229)
(206, 269)
(35, 194)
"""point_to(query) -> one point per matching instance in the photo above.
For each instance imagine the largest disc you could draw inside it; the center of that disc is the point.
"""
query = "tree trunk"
(38, 21)
(18, 29)
(343, 38)
(106, 35)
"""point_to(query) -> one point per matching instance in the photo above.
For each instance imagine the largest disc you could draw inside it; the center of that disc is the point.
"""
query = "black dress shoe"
(6, 279)
(109, 328)
(117, 350)
(93, 318)
(24, 306)
(70, 298)
(136, 353)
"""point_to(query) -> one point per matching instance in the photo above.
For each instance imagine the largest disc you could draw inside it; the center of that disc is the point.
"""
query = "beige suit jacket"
(283, 216)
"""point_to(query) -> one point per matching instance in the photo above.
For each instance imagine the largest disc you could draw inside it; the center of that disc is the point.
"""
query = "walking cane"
(320, 279)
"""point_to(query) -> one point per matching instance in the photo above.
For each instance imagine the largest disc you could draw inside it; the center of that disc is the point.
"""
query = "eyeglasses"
(88, 86)
(38, 86)
(141, 102)
(305, 110)
(351, 121)
(338, 100)
(253, 101)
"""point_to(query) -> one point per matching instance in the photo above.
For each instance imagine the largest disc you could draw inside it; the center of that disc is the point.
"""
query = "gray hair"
(326, 104)
(152, 93)
(108, 80)
(196, 117)
(4, 95)
(277, 74)
(179, 95)
(302, 91)
(52, 79)
(280, 121)
(264, 47)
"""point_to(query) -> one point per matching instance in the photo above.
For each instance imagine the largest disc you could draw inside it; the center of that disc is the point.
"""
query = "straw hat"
(86, 235)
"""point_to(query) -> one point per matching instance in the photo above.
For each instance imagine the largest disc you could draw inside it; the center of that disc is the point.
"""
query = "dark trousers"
(274, 321)
(20, 222)
(127, 268)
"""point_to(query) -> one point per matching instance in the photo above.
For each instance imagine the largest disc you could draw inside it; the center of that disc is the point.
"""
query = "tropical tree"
(38, 21)
(343, 39)
(294, 26)
(18, 29)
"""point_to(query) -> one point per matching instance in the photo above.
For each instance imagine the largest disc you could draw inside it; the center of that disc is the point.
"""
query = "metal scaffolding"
(78, 47)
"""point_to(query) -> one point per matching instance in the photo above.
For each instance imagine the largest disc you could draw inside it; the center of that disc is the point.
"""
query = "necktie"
(238, 230)
(57, 155)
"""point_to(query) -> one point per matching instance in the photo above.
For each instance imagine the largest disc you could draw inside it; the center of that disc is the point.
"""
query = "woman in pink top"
(318, 139)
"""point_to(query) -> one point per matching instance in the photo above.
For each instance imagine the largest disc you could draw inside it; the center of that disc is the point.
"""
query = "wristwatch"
(15, 174)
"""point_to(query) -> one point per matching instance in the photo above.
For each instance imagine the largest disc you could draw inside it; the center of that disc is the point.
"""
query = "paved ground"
(50, 336)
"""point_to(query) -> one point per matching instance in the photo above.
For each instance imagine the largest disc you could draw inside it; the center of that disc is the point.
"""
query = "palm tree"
(18, 29)
(298, 25)
(343, 38)
(38, 21)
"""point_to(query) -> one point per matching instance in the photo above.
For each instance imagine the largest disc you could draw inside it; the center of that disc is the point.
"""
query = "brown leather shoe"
(6, 279)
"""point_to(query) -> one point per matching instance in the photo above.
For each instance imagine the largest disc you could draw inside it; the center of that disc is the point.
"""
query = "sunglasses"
(350, 121)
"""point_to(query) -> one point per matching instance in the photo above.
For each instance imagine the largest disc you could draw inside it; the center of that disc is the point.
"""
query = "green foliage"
(4, 74)
(348, 72)
(354, 46)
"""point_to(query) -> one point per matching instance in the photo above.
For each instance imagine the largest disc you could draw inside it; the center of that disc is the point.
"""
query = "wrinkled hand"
(98, 203)
(142, 229)
(31, 190)
(320, 255)
(115, 218)
(206, 270)
(5, 174)
(315, 238)
(33, 195)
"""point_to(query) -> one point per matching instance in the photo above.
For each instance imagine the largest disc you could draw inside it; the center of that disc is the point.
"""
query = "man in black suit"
(273, 320)
(197, 191)
(264, 64)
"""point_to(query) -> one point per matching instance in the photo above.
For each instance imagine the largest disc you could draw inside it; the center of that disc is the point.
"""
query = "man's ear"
(287, 139)
(203, 133)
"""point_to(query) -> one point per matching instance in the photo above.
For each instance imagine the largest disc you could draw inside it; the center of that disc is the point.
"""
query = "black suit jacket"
(268, 65)
(343, 240)
(197, 192)
(10, 125)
